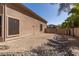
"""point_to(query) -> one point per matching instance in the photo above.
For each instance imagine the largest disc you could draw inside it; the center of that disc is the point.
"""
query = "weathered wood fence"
(71, 32)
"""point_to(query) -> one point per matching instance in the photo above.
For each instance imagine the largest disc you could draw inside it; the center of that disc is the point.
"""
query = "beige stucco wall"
(28, 25)
(1, 9)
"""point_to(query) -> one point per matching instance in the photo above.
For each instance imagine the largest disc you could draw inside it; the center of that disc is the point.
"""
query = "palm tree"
(75, 14)
(66, 7)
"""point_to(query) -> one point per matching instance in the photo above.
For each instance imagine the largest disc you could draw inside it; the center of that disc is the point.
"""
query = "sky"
(48, 12)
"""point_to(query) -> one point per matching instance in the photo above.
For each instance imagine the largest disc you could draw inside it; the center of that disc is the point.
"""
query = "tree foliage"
(73, 19)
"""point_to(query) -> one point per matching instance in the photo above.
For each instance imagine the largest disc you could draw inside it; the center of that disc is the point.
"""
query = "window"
(41, 27)
(13, 26)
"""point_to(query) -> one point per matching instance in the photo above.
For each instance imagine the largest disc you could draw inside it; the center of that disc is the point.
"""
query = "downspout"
(4, 21)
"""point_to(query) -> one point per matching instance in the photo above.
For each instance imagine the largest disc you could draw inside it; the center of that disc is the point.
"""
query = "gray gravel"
(57, 46)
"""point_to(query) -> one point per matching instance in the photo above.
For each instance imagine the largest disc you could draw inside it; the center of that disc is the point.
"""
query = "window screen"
(13, 26)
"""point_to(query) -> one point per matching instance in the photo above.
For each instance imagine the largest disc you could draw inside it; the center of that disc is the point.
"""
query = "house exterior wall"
(27, 24)
(1, 9)
(2, 16)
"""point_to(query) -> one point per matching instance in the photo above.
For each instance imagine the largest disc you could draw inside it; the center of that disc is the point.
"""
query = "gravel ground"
(57, 46)
(25, 53)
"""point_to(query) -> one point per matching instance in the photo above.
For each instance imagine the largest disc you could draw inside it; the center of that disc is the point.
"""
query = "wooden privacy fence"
(76, 32)
(71, 32)
(56, 31)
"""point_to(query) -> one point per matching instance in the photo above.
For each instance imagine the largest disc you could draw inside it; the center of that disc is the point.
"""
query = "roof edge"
(34, 13)
(25, 10)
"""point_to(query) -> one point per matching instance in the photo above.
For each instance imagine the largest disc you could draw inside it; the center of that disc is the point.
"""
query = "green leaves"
(73, 19)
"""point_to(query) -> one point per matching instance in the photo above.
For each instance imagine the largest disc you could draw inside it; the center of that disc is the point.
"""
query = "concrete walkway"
(26, 43)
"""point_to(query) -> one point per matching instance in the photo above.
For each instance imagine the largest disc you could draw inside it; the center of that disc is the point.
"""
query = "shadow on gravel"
(58, 46)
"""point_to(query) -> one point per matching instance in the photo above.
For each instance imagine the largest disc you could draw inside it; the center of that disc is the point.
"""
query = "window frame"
(41, 27)
(14, 35)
